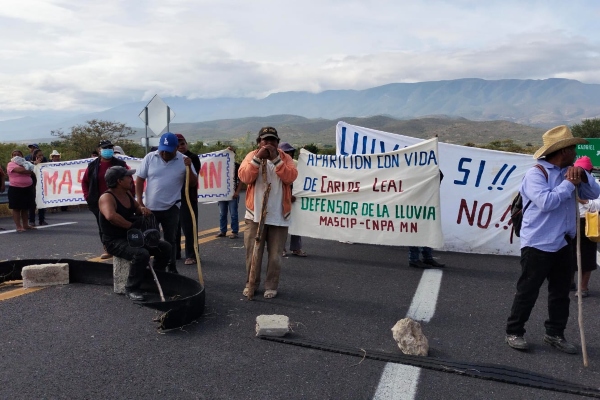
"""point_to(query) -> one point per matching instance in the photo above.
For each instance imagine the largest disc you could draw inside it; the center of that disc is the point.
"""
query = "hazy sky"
(91, 55)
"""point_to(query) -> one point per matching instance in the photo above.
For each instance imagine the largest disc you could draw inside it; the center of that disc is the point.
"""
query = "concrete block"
(272, 325)
(120, 274)
(45, 275)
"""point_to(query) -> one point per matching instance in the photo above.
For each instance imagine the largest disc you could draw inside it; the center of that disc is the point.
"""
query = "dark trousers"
(96, 212)
(186, 224)
(41, 215)
(140, 259)
(169, 220)
(537, 266)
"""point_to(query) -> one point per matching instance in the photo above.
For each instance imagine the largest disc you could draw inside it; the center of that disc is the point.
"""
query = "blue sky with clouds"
(82, 55)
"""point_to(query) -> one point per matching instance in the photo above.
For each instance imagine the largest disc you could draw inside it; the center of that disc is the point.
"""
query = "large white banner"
(476, 191)
(391, 199)
(59, 184)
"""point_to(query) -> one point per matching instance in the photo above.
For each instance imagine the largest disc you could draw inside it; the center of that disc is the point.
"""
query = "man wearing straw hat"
(547, 237)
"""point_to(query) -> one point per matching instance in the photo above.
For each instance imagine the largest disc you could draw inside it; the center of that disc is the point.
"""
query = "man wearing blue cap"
(163, 173)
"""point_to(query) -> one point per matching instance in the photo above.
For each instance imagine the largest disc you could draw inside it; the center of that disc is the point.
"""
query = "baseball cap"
(268, 131)
(113, 174)
(118, 150)
(105, 144)
(168, 142)
(285, 147)
(180, 136)
(33, 145)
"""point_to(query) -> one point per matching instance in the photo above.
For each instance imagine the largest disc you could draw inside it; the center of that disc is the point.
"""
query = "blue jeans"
(413, 253)
(232, 206)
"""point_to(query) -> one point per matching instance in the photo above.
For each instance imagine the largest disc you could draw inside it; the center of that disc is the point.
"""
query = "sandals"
(270, 293)
(233, 236)
(299, 253)
(189, 261)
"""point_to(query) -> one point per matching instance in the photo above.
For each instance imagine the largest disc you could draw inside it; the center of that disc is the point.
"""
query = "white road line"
(424, 301)
(41, 227)
(400, 381)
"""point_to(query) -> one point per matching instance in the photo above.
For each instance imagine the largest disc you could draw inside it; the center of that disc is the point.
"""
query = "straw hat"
(556, 139)
(54, 153)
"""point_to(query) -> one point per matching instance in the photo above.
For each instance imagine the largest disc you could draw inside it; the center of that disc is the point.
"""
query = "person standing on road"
(21, 194)
(164, 171)
(295, 240)
(93, 183)
(37, 157)
(185, 218)
(231, 206)
(118, 210)
(281, 172)
(588, 248)
(547, 237)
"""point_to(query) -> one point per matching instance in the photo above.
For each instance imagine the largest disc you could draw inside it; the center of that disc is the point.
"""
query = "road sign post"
(156, 115)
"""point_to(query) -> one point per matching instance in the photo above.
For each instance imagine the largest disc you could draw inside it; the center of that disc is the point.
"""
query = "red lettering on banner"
(67, 181)
(211, 174)
(50, 180)
(80, 173)
(483, 219)
(54, 182)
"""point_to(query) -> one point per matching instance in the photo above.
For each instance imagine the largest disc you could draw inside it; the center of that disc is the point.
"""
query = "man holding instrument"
(261, 167)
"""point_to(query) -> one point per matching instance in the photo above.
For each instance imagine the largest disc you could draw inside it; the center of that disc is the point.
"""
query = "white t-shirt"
(275, 204)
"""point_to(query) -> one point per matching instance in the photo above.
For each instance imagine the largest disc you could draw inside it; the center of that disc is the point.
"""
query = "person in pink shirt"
(21, 195)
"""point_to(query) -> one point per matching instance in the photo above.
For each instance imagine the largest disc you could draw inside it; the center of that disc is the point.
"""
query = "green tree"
(588, 128)
(313, 148)
(84, 138)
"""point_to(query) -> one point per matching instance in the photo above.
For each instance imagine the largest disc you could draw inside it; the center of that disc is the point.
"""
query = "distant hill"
(542, 103)
(300, 130)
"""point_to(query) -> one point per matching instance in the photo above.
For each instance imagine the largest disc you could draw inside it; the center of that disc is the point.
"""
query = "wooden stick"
(259, 232)
(579, 276)
(160, 291)
(194, 227)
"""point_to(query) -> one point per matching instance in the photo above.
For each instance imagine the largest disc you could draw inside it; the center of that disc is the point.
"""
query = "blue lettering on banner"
(356, 139)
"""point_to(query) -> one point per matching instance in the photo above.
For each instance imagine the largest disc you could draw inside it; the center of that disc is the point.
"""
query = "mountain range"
(537, 103)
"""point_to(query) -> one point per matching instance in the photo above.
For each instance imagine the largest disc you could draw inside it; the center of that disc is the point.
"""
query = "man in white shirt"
(163, 172)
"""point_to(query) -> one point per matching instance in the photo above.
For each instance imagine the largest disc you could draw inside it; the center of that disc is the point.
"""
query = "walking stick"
(259, 232)
(160, 291)
(194, 227)
(579, 277)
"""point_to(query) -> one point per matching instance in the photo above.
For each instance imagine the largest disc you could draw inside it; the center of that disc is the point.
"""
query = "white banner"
(476, 191)
(390, 199)
(59, 184)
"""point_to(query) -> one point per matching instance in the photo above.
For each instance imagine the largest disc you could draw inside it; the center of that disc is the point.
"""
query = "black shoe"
(43, 223)
(560, 343)
(516, 342)
(172, 270)
(221, 234)
(418, 264)
(434, 263)
(135, 295)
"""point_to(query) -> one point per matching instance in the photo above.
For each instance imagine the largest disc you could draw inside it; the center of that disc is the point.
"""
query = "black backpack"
(517, 210)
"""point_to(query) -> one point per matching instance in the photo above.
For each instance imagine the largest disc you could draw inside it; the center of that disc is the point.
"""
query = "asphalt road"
(83, 341)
